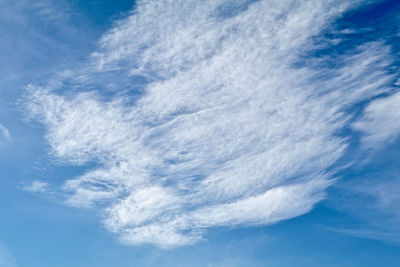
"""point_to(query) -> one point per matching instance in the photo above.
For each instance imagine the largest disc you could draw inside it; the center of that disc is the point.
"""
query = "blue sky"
(199, 133)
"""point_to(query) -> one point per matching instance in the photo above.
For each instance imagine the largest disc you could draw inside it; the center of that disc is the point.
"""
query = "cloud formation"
(228, 130)
(4, 131)
(36, 187)
(380, 123)
(372, 200)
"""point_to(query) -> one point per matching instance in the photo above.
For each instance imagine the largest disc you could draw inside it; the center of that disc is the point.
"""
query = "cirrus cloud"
(4, 131)
(227, 130)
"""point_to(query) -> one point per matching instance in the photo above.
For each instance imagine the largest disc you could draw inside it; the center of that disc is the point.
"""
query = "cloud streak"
(380, 123)
(4, 131)
(227, 131)
(372, 200)
(36, 187)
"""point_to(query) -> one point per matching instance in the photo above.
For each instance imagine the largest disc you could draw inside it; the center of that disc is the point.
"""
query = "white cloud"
(227, 132)
(36, 187)
(380, 123)
(4, 131)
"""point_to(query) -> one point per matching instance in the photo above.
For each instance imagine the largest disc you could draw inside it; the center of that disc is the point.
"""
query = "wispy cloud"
(38, 39)
(372, 200)
(227, 131)
(36, 187)
(380, 123)
(4, 131)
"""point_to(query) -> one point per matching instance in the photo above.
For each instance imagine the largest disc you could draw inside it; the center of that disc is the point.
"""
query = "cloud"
(225, 129)
(380, 123)
(4, 131)
(38, 40)
(372, 200)
(36, 187)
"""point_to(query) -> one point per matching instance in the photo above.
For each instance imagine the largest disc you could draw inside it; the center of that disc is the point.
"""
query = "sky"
(199, 133)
